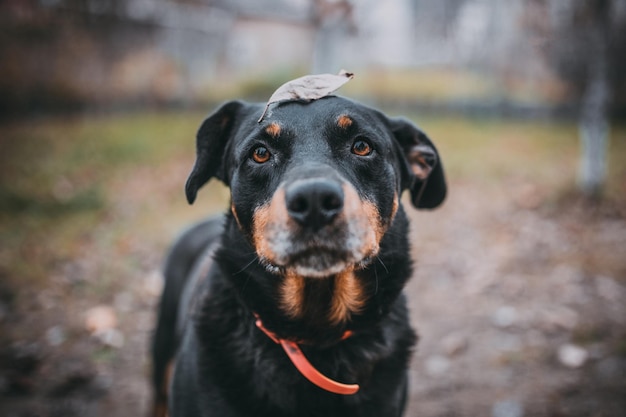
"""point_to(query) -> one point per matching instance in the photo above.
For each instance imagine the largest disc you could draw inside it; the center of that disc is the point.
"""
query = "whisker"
(382, 263)
(245, 284)
(246, 266)
(376, 279)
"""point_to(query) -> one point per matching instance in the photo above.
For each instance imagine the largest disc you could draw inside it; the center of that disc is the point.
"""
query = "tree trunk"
(593, 122)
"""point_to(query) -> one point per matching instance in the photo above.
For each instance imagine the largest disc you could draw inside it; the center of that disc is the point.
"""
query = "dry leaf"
(307, 88)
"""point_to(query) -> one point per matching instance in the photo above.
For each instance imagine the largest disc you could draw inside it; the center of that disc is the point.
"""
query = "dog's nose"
(314, 203)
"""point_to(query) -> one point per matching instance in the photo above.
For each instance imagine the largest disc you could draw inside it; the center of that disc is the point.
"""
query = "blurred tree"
(584, 42)
(334, 21)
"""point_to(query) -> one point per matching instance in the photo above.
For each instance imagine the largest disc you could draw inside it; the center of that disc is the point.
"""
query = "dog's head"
(315, 189)
(316, 185)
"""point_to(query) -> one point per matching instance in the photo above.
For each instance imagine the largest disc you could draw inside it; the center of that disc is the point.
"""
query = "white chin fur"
(309, 272)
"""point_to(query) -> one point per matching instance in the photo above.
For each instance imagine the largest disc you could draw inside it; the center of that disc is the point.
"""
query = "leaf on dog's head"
(307, 88)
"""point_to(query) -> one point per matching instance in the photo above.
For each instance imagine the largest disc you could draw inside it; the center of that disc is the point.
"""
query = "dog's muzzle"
(316, 227)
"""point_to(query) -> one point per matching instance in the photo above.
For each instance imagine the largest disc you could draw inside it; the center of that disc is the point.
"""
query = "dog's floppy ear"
(422, 167)
(211, 141)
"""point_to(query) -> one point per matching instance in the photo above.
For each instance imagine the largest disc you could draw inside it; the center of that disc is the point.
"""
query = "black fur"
(224, 365)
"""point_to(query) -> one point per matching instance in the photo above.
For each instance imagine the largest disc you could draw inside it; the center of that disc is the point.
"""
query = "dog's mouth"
(317, 262)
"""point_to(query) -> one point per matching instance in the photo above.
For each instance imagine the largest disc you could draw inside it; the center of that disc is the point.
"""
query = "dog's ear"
(422, 168)
(211, 141)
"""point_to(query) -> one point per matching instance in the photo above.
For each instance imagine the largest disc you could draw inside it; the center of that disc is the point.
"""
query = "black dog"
(300, 285)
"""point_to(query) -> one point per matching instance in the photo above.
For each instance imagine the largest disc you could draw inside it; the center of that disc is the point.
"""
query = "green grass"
(58, 180)
(86, 150)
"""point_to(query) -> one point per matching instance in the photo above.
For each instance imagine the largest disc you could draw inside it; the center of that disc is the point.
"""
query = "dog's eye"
(261, 155)
(361, 148)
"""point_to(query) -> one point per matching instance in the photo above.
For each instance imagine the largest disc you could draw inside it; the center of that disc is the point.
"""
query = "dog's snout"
(314, 203)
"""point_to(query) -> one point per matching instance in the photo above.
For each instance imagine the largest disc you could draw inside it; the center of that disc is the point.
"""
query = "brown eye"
(361, 148)
(261, 155)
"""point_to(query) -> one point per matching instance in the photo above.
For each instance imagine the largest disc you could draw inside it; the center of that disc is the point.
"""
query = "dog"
(292, 304)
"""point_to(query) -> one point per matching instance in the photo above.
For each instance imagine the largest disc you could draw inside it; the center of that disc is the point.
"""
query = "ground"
(518, 308)
(518, 294)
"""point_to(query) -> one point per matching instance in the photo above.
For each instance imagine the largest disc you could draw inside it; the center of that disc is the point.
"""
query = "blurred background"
(519, 291)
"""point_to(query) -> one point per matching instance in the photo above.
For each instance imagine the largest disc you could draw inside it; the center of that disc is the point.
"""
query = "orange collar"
(304, 366)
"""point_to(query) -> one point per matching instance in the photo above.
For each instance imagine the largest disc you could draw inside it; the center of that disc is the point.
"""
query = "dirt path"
(521, 310)
(519, 302)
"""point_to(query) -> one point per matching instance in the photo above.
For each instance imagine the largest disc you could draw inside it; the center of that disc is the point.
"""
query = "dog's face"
(315, 186)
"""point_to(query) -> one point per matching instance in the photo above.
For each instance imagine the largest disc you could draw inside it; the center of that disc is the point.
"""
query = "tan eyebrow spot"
(344, 121)
(273, 129)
